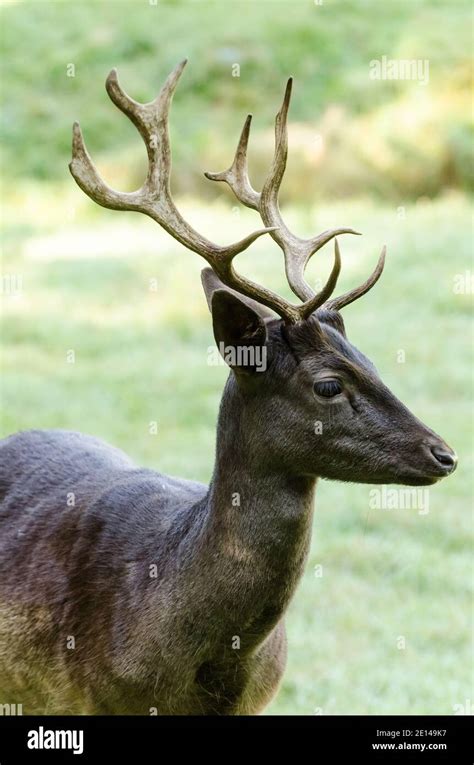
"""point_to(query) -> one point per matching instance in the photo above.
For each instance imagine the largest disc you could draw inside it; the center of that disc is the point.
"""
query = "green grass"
(140, 356)
(368, 141)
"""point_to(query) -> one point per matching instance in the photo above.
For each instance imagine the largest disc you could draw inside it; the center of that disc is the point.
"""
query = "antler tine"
(297, 251)
(340, 302)
(151, 120)
(272, 184)
(88, 179)
(237, 175)
(320, 299)
(154, 197)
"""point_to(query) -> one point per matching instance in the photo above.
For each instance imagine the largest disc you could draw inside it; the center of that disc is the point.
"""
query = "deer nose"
(445, 457)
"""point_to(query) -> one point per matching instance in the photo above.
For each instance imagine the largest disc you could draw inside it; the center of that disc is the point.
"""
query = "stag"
(160, 595)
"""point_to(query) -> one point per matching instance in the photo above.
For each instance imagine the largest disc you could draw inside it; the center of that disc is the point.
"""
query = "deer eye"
(327, 388)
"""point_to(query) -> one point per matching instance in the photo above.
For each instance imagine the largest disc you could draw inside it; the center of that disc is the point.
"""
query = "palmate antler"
(154, 199)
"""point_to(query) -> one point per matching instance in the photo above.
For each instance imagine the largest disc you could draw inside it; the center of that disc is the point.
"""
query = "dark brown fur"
(206, 635)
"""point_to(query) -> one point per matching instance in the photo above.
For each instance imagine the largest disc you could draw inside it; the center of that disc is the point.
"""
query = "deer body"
(201, 633)
(123, 590)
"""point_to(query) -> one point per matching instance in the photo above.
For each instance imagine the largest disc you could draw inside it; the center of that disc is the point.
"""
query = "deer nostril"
(445, 458)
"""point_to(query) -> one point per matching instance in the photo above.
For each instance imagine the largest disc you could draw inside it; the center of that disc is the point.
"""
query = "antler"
(340, 302)
(297, 251)
(154, 197)
(155, 200)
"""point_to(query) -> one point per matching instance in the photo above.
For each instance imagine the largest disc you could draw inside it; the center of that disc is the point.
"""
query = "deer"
(159, 595)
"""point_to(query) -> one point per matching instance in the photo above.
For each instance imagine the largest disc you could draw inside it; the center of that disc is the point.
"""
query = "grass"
(394, 137)
(127, 300)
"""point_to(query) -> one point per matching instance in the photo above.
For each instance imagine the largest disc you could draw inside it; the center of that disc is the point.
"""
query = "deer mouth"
(439, 461)
(443, 459)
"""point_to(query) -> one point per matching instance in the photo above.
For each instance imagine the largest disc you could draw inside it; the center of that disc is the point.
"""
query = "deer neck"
(258, 518)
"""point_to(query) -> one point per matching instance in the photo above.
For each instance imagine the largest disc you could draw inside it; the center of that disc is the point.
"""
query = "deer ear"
(333, 318)
(211, 283)
(239, 331)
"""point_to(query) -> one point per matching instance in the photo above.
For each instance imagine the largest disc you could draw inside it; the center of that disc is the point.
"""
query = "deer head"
(319, 407)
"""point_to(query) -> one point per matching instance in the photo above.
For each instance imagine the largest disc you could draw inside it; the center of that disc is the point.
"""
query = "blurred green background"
(391, 158)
